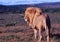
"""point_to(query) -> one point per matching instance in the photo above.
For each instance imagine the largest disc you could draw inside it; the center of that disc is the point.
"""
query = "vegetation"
(51, 10)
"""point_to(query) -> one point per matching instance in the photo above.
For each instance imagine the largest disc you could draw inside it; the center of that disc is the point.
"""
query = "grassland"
(13, 28)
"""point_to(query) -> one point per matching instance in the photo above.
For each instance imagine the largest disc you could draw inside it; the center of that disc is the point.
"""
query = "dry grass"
(21, 32)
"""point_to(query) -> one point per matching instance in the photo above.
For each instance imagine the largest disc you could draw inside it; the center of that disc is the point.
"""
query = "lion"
(38, 21)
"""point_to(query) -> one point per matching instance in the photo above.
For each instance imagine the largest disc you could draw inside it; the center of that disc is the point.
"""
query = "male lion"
(38, 21)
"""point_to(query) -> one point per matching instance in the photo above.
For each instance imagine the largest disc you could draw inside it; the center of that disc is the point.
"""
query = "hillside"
(21, 8)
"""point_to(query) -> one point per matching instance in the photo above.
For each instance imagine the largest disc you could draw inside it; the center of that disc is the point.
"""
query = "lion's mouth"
(26, 20)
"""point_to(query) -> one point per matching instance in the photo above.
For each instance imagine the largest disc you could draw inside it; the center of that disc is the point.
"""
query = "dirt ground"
(13, 28)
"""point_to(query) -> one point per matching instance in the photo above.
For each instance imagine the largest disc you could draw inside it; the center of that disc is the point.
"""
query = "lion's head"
(30, 12)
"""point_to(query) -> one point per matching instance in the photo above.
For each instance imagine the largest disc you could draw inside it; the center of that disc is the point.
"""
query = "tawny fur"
(38, 21)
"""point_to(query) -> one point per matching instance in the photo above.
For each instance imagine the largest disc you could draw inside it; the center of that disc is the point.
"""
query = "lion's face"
(26, 18)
